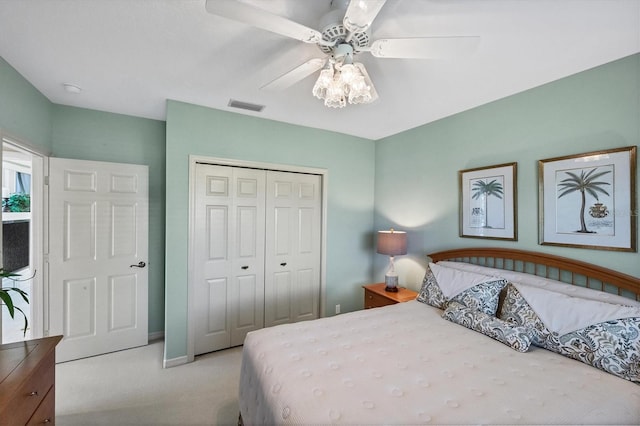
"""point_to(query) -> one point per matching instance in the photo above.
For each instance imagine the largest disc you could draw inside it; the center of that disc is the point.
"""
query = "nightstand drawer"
(373, 300)
(375, 295)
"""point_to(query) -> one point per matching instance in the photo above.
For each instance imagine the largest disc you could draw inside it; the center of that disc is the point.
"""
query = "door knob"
(140, 264)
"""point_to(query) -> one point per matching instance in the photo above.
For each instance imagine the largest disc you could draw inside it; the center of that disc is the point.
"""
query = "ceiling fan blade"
(425, 48)
(295, 75)
(361, 13)
(259, 18)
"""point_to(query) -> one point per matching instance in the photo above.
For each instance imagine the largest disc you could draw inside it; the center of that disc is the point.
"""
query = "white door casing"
(229, 255)
(293, 239)
(98, 248)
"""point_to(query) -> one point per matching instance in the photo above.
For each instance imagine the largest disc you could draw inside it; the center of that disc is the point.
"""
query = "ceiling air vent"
(245, 105)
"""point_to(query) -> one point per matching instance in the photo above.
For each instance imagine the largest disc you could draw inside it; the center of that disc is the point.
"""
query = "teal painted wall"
(24, 112)
(412, 176)
(99, 136)
(350, 163)
(417, 170)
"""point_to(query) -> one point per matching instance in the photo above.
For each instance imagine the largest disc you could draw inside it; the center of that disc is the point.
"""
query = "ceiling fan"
(345, 33)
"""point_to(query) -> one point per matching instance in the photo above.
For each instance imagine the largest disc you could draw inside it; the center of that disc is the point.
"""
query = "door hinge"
(46, 180)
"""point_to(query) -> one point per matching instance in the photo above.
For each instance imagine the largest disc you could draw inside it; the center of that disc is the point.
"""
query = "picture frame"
(589, 200)
(488, 200)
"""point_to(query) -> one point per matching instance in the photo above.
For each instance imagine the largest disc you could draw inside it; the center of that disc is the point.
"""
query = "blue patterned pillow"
(516, 310)
(612, 346)
(517, 337)
(482, 297)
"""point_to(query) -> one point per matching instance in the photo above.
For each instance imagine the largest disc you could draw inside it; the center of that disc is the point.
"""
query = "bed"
(408, 364)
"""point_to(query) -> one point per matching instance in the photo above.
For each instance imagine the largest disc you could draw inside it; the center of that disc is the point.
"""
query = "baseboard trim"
(156, 335)
(174, 362)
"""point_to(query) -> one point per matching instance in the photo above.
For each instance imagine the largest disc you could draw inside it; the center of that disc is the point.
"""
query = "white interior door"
(293, 247)
(98, 246)
(228, 279)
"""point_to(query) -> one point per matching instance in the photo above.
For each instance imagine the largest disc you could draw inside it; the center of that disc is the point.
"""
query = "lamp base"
(392, 283)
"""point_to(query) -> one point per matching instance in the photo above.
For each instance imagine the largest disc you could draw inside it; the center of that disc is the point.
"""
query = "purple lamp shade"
(392, 243)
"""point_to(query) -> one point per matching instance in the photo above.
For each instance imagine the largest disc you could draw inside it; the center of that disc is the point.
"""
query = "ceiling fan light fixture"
(359, 92)
(343, 35)
(335, 97)
(340, 83)
(371, 90)
(322, 84)
(348, 73)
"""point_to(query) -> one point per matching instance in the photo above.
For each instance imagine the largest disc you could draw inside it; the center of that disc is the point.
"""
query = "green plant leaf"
(6, 299)
(26, 321)
(7, 274)
(22, 293)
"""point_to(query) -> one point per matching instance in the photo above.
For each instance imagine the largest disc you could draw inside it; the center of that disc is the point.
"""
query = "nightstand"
(375, 296)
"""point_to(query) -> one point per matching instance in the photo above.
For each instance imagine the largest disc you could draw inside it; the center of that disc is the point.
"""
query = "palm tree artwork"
(586, 182)
(485, 188)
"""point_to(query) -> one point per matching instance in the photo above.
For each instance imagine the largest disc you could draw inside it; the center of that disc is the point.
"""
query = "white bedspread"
(404, 364)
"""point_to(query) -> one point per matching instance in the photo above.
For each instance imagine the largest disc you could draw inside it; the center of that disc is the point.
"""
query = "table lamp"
(391, 243)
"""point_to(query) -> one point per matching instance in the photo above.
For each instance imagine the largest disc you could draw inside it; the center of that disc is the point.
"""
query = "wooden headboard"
(546, 265)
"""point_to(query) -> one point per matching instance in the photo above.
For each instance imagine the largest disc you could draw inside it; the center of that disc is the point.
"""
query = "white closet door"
(229, 255)
(98, 239)
(292, 264)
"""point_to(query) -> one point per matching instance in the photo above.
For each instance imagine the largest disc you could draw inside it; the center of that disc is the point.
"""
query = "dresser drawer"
(373, 300)
(46, 412)
(31, 393)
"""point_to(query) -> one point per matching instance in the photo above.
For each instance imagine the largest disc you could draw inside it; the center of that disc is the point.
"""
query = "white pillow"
(536, 281)
(454, 281)
(564, 314)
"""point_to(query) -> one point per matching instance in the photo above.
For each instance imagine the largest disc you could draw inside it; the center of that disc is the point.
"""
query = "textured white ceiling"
(130, 56)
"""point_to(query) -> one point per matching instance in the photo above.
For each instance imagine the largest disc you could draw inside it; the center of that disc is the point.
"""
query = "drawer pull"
(244, 267)
(34, 393)
(283, 264)
(47, 420)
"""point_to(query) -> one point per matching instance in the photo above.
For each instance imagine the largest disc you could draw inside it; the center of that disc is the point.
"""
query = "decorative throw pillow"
(517, 337)
(612, 346)
(482, 297)
(516, 310)
(430, 292)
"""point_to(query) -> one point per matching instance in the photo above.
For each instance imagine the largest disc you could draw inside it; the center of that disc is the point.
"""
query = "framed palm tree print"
(589, 200)
(488, 202)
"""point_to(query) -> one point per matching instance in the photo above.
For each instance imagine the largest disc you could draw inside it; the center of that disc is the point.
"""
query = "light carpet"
(131, 388)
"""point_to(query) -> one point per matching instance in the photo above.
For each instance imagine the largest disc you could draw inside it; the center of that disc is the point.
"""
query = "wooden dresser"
(27, 382)
(375, 296)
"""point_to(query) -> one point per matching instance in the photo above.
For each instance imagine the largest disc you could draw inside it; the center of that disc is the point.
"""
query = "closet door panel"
(212, 263)
(293, 246)
(282, 224)
(247, 293)
(248, 311)
(229, 255)
(216, 312)
(305, 294)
